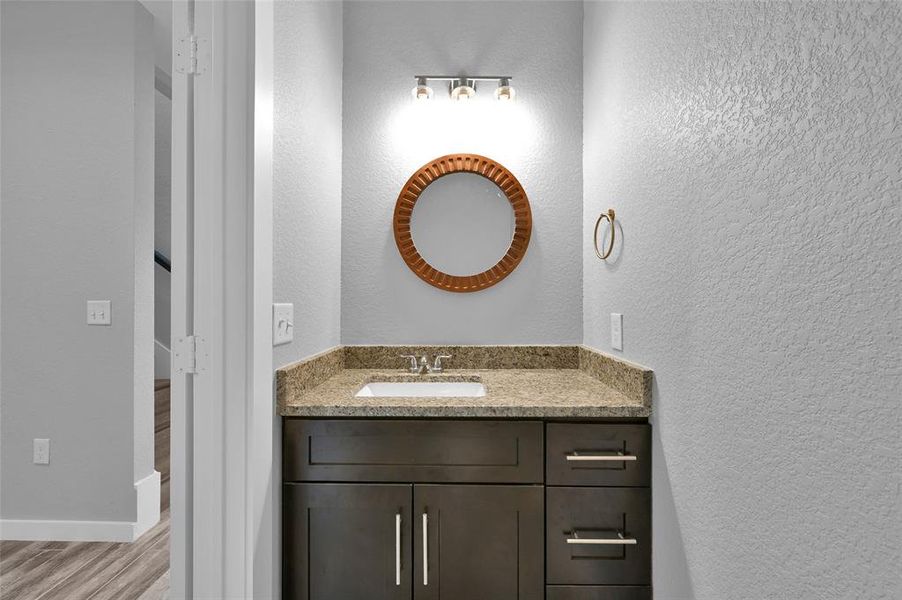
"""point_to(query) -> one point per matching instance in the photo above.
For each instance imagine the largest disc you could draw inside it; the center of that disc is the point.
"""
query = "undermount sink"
(422, 389)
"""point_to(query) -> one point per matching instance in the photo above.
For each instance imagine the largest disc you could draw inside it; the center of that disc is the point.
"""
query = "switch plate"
(41, 451)
(99, 312)
(282, 324)
(617, 331)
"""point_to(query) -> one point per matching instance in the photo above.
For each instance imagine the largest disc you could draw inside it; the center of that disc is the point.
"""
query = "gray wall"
(77, 205)
(753, 154)
(307, 174)
(387, 137)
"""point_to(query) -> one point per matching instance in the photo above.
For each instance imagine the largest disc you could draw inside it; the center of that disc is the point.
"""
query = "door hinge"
(189, 355)
(192, 55)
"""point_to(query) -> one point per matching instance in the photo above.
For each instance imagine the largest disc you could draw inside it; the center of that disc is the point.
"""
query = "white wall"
(307, 173)
(77, 203)
(752, 152)
(387, 137)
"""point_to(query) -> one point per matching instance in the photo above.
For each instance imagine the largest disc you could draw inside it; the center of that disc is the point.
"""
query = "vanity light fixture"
(463, 88)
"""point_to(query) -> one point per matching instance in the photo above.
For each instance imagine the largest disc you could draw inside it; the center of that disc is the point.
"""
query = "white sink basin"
(422, 389)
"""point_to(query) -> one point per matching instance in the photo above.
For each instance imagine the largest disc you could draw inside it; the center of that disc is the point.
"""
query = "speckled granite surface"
(559, 381)
(305, 375)
(466, 357)
(633, 380)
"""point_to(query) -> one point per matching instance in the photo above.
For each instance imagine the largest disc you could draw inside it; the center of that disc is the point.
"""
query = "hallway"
(98, 570)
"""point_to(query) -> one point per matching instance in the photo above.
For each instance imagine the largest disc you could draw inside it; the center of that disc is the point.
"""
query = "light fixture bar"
(462, 77)
(463, 87)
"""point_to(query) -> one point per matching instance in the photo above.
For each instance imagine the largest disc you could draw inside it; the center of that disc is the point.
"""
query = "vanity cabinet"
(478, 541)
(347, 541)
(467, 510)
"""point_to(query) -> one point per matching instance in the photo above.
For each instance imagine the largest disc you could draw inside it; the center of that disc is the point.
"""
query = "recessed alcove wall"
(348, 135)
(387, 137)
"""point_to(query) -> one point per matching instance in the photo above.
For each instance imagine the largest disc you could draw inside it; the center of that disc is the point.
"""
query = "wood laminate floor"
(98, 570)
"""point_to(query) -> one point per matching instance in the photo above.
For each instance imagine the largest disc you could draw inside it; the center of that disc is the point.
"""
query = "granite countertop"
(595, 386)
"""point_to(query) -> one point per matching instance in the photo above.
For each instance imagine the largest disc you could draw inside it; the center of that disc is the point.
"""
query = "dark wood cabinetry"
(482, 541)
(598, 535)
(465, 510)
(347, 541)
(409, 451)
(598, 454)
(595, 592)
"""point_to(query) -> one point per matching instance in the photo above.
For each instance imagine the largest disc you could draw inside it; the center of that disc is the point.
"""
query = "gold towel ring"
(610, 217)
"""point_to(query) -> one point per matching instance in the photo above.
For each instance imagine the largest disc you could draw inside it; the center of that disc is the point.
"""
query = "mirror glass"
(462, 224)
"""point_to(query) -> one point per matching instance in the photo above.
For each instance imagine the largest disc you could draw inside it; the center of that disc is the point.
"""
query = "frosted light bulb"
(504, 91)
(463, 90)
(422, 91)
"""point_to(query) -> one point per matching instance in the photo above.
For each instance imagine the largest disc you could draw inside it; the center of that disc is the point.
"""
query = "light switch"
(41, 451)
(282, 324)
(617, 331)
(99, 312)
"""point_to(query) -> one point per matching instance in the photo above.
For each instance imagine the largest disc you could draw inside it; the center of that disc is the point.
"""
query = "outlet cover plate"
(617, 331)
(41, 451)
(282, 324)
(100, 312)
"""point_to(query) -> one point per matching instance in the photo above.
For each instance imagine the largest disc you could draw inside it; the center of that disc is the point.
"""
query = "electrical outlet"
(282, 324)
(41, 451)
(99, 312)
(617, 331)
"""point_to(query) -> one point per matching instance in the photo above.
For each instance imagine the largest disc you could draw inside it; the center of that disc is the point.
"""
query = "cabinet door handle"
(617, 541)
(598, 457)
(425, 548)
(398, 549)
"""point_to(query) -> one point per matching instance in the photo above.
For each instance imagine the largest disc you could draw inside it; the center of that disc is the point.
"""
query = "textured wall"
(307, 173)
(753, 154)
(77, 203)
(387, 137)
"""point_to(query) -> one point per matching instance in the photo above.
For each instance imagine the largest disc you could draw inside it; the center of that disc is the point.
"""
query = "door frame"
(224, 509)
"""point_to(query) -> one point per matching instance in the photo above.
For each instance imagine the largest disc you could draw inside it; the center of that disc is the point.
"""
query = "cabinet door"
(347, 541)
(478, 542)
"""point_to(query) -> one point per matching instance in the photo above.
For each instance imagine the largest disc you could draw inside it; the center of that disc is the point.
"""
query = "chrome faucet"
(437, 365)
(421, 365)
(417, 367)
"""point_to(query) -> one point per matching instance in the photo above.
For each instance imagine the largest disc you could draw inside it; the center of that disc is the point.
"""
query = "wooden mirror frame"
(462, 163)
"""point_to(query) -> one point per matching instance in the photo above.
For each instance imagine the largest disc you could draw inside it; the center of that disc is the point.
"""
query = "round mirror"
(462, 222)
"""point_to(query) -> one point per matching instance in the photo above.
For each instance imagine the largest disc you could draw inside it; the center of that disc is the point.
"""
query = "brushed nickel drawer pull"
(617, 541)
(425, 548)
(612, 457)
(398, 549)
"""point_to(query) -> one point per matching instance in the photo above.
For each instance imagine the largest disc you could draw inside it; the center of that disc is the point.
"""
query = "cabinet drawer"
(598, 536)
(412, 451)
(593, 592)
(598, 454)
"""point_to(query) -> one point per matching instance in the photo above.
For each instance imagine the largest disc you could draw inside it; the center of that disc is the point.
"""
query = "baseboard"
(148, 492)
(162, 359)
(148, 514)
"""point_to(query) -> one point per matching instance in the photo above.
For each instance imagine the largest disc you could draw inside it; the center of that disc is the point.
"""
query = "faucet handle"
(414, 366)
(437, 365)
